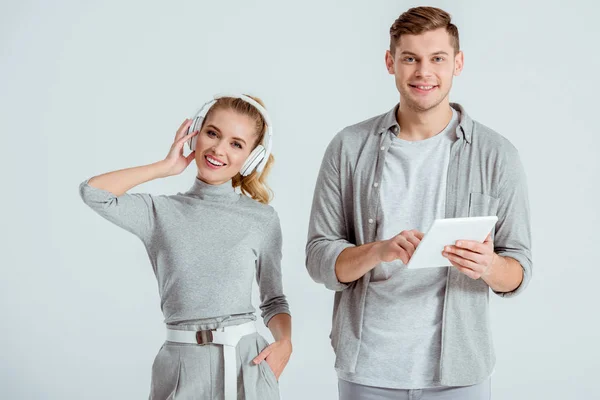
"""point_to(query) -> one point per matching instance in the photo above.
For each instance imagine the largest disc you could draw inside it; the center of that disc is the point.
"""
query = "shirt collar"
(464, 129)
(224, 192)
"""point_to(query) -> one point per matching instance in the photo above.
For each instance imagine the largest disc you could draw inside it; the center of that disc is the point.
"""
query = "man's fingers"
(412, 236)
(463, 262)
(464, 253)
(405, 257)
(418, 234)
(467, 271)
(406, 244)
(413, 239)
(471, 245)
(401, 254)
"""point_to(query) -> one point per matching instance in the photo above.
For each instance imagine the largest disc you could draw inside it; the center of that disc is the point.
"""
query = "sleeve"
(327, 232)
(132, 212)
(268, 272)
(513, 229)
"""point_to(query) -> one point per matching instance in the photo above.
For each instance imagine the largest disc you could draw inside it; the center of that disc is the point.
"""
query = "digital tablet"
(444, 232)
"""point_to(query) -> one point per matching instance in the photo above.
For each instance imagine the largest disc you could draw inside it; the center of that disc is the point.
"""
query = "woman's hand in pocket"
(277, 355)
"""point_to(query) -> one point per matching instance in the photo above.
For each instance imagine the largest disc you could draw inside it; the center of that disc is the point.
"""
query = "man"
(425, 333)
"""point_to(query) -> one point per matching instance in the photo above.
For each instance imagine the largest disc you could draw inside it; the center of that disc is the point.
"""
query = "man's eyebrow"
(433, 54)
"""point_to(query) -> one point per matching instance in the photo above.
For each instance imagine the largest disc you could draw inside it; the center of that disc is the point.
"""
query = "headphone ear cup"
(193, 128)
(253, 160)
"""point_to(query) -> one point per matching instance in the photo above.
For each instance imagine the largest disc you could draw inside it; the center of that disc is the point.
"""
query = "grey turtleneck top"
(205, 245)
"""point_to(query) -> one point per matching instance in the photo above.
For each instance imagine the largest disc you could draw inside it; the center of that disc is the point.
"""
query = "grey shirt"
(402, 323)
(485, 177)
(205, 246)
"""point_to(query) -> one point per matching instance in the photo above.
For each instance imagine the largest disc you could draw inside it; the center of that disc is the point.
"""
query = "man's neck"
(421, 125)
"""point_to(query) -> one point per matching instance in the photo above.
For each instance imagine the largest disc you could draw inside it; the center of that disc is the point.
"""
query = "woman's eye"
(237, 144)
(211, 133)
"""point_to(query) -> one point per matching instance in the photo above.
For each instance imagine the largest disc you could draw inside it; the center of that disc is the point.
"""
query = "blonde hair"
(253, 185)
(419, 20)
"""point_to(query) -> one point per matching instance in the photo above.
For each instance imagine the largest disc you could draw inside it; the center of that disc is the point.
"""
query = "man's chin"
(423, 106)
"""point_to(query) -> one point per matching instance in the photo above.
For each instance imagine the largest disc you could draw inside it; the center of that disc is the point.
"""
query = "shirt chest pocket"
(482, 205)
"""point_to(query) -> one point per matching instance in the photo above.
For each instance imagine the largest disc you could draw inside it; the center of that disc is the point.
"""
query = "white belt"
(228, 337)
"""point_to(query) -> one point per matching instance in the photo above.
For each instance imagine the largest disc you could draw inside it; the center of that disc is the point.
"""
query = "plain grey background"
(88, 87)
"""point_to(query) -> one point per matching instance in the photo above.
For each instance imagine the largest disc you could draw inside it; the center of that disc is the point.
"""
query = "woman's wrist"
(161, 169)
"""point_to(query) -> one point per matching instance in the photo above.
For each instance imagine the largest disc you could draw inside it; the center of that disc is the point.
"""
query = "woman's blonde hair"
(253, 185)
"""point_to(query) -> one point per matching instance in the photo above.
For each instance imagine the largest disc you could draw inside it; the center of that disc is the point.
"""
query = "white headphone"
(260, 155)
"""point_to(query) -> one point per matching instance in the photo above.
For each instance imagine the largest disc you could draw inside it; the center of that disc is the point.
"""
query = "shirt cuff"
(330, 257)
(525, 264)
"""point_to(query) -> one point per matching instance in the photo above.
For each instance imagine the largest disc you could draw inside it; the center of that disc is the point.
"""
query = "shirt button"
(376, 184)
(370, 220)
(382, 148)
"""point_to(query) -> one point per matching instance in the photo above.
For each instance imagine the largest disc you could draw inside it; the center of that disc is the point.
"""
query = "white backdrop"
(90, 87)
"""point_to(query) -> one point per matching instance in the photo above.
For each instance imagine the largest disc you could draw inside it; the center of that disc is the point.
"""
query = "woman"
(205, 245)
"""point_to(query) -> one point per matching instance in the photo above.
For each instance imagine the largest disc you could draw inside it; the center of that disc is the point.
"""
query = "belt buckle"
(204, 337)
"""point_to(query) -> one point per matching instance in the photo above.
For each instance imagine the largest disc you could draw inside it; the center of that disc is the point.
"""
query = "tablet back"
(444, 232)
